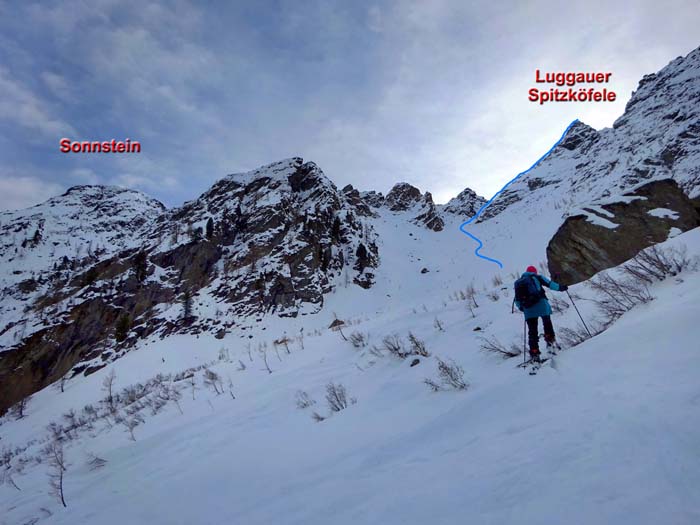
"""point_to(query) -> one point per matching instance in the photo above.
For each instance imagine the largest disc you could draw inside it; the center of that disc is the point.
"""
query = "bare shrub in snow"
(471, 294)
(303, 400)
(618, 295)
(283, 341)
(417, 346)
(72, 421)
(394, 345)
(337, 397)
(493, 296)
(451, 375)
(575, 336)
(241, 366)
(17, 410)
(497, 280)
(130, 422)
(224, 355)
(230, 388)
(7, 469)
(277, 351)
(60, 385)
(58, 467)
(262, 350)
(358, 339)
(193, 385)
(133, 393)
(108, 388)
(494, 346)
(55, 431)
(438, 325)
(471, 310)
(558, 306)
(213, 381)
(317, 417)
(656, 264)
(170, 393)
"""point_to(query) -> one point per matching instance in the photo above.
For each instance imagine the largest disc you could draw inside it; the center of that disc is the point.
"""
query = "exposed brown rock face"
(581, 248)
(268, 242)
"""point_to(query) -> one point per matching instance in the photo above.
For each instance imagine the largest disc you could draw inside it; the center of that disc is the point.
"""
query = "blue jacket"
(542, 307)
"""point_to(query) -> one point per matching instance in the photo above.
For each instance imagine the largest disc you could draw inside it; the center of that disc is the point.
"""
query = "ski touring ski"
(534, 366)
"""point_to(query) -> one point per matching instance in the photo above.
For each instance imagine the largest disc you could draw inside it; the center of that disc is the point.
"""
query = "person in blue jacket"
(532, 301)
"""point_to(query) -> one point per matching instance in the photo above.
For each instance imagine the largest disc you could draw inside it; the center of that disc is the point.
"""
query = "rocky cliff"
(609, 233)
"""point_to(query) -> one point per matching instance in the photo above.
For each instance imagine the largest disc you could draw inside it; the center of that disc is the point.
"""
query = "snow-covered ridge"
(94, 221)
(466, 204)
(657, 137)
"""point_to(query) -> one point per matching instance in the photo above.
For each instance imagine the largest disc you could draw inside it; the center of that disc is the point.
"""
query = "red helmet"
(531, 269)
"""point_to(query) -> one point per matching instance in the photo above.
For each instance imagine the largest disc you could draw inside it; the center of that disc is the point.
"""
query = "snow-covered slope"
(657, 137)
(221, 309)
(86, 222)
(608, 436)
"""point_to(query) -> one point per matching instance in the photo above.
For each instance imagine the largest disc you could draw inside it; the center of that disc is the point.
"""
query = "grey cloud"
(433, 93)
(22, 191)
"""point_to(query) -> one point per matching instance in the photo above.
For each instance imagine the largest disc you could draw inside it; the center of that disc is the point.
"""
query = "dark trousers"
(532, 335)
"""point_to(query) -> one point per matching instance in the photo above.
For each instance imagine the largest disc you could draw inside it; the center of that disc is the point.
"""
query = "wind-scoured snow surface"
(610, 436)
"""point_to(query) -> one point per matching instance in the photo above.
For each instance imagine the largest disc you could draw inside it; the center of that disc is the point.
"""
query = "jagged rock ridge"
(405, 198)
(466, 204)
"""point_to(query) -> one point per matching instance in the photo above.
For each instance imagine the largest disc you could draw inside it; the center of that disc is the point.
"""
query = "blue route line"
(481, 244)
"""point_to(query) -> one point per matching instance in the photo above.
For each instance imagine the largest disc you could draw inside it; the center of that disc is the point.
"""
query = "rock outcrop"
(466, 204)
(408, 199)
(608, 234)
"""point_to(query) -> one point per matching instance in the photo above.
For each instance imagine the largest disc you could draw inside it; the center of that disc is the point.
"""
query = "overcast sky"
(429, 92)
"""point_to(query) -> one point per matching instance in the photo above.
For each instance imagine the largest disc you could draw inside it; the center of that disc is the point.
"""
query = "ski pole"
(524, 339)
(579, 313)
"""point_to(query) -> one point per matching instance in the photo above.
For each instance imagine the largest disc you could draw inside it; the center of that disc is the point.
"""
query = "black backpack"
(527, 293)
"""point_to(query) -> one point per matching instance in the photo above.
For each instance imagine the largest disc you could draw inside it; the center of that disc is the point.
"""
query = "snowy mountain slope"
(657, 137)
(272, 241)
(249, 276)
(63, 236)
(610, 432)
(85, 222)
(279, 240)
